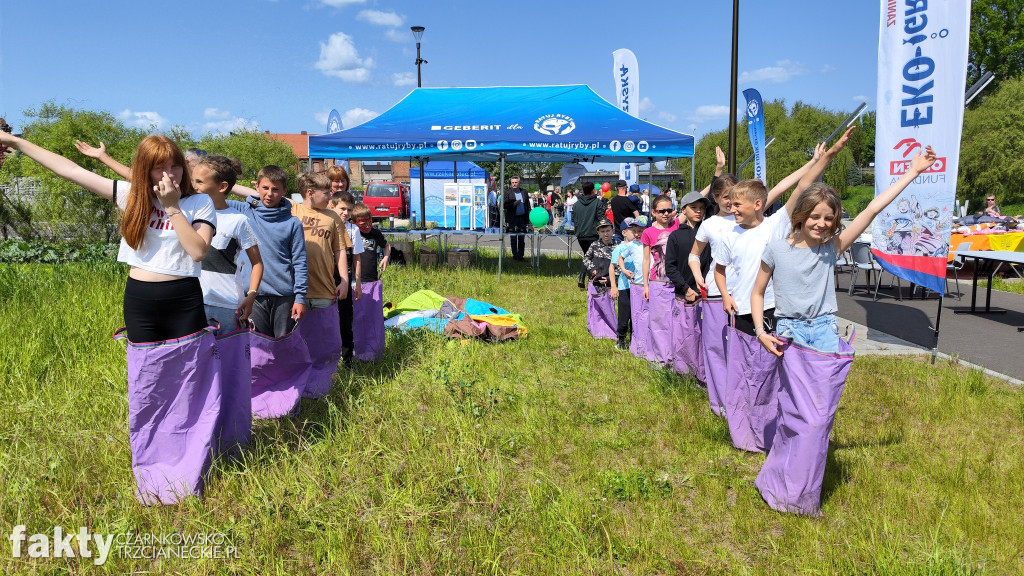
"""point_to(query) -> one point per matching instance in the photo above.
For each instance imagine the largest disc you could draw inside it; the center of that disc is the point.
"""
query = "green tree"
(997, 42)
(796, 132)
(512, 170)
(254, 149)
(991, 157)
(63, 205)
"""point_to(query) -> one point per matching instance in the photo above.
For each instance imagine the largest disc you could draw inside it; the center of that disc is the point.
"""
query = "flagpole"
(733, 85)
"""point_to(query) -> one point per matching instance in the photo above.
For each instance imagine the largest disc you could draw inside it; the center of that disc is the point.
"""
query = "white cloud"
(860, 98)
(692, 127)
(781, 72)
(381, 18)
(339, 58)
(144, 120)
(396, 35)
(341, 3)
(216, 114)
(229, 125)
(667, 116)
(646, 105)
(356, 116)
(321, 117)
(709, 112)
(827, 68)
(404, 79)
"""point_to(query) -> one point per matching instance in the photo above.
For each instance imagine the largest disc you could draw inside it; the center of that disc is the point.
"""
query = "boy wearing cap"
(598, 259)
(693, 208)
(627, 258)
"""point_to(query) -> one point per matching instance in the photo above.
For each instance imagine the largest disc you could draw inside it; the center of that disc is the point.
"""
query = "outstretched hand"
(167, 192)
(819, 151)
(91, 151)
(841, 143)
(719, 158)
(922, 162)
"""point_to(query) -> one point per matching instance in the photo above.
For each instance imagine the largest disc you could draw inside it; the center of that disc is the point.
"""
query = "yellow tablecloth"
(1011, 241)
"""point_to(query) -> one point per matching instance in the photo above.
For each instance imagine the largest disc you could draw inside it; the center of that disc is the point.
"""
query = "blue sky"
(283, 65)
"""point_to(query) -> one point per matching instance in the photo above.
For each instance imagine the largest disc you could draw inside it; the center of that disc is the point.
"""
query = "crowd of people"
(709, 284)
(221, 294)
(742, 300)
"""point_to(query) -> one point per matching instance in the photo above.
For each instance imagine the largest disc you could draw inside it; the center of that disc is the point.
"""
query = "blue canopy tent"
(517, 124)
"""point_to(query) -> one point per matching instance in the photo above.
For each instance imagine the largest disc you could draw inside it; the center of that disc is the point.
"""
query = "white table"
(990, 258)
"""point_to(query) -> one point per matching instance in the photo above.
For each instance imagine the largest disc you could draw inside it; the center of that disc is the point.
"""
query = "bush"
(37, 252)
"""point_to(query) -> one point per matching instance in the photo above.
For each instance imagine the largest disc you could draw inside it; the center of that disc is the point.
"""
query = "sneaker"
(620, 344)
(582, 283)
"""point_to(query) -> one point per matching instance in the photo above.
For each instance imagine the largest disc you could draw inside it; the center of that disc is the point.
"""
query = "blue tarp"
(526, 123)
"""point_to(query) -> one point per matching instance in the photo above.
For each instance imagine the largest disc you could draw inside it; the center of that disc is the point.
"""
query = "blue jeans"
(821, 333)
(225, 316)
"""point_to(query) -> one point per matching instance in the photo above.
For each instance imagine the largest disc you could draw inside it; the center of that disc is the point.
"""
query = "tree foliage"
(992, 147)
(997, 42)
(796, 131)
(254, 149)
(62, 204)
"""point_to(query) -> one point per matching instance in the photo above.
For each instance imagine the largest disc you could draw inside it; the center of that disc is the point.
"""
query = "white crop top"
(160, 251)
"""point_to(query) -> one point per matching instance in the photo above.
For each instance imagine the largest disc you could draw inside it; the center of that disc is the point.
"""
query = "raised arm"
(719, 168)
(107, 160)
(61, 166)
(919, 164)
(812, 175)
(791, 180)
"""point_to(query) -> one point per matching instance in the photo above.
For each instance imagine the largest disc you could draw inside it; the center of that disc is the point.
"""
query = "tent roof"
(526, 123)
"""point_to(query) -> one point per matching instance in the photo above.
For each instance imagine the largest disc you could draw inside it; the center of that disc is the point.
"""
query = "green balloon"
(538, 217)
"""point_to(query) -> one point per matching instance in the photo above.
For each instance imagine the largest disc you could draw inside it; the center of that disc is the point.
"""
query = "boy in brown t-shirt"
(326, 242)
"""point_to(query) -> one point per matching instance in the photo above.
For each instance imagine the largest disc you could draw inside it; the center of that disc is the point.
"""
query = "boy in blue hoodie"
(282, 294)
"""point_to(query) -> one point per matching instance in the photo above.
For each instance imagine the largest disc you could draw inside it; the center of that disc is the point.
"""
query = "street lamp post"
(417, 33)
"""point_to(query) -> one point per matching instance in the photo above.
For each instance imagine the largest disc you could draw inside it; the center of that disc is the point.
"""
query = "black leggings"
(157, 311)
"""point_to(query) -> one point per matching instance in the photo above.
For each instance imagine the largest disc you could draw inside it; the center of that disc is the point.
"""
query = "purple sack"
(713, 324)
(280, 372)
(812, 381)
(600, 314)
(687, 356)
(173, 404)
(321, 330)
(234, 427)
(368, 316)
(751, 396)
(638, 316)
(660, 299)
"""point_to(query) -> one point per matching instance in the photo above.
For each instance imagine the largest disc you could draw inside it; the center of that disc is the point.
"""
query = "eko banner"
(755, 129)
(922, 72)
(627, 96)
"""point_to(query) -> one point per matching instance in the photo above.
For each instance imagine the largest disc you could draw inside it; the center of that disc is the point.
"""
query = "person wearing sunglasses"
(991, 208)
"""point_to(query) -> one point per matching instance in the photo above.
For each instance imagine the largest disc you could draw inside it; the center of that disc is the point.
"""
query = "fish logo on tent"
(554, 125)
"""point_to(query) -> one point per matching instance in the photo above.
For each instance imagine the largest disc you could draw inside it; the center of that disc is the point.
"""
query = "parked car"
(387, 199)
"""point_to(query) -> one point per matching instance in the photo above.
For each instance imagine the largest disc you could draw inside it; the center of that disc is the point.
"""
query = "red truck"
(387, 199)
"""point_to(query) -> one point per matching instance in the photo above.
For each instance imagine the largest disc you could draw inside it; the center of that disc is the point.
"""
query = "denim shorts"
(821, 333)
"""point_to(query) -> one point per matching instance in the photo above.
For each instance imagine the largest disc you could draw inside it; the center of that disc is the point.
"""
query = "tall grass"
(553, 454)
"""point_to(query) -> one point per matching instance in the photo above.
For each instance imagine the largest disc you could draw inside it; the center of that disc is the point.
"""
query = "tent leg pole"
(501, 214)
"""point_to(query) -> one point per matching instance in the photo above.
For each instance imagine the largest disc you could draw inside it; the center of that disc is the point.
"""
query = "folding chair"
(864, 260)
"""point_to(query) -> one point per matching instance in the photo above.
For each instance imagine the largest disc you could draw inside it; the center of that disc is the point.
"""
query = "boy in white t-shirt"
(222, 296)
(737, 255)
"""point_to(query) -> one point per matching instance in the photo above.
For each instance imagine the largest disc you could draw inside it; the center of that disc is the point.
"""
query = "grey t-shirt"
(799, 275)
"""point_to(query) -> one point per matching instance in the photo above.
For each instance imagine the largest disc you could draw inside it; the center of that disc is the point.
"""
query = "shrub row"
(23, 252)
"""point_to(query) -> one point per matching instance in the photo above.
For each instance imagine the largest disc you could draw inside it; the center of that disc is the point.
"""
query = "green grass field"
(550, 455)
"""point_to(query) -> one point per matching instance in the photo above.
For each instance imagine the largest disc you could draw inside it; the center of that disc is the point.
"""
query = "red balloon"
(605, 186)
